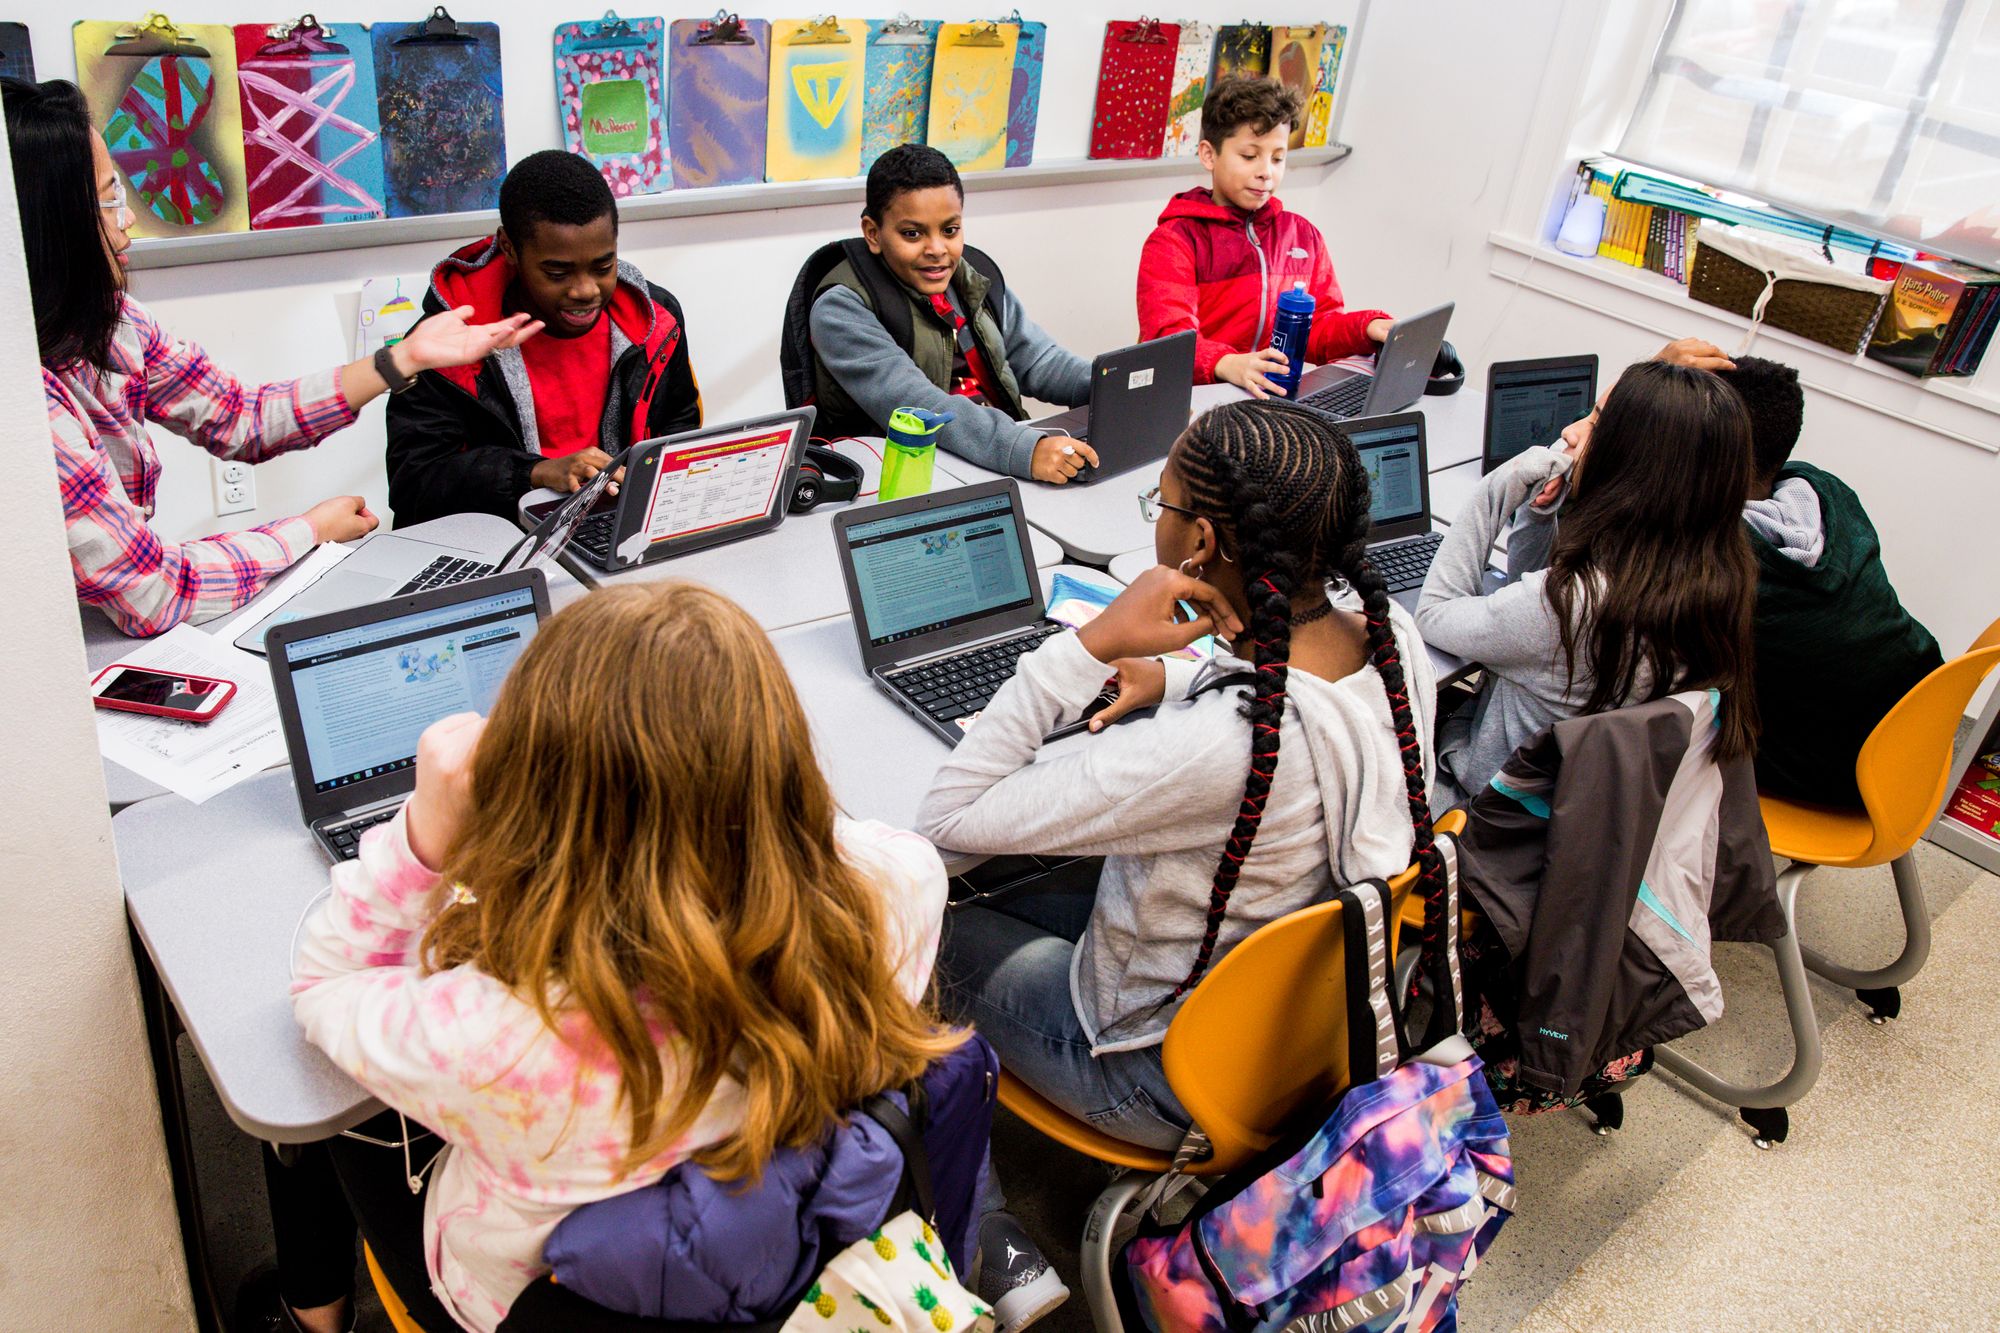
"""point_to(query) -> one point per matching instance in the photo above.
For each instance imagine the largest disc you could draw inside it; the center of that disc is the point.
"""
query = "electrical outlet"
(235, 486)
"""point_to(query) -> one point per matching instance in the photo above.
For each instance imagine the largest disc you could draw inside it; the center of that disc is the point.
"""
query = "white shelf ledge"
(172, 252)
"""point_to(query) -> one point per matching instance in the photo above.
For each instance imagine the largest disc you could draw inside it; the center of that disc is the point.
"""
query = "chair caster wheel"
(1883, 1004)
(1609, 1110)
(1770, 1124)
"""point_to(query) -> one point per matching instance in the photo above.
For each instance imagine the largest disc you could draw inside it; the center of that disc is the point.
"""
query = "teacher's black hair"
(72, 282)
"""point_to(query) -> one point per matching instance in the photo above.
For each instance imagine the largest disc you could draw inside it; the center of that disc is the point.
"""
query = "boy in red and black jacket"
(1223, 254)
(610, 367)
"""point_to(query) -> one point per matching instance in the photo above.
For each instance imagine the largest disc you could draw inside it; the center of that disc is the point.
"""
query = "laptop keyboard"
(1345, 399)
(443, 572)
(346, 838)
(951, 687)
(1403, 564)
(593, 537)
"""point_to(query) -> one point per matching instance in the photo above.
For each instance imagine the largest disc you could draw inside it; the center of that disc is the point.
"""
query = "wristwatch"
(385, 366)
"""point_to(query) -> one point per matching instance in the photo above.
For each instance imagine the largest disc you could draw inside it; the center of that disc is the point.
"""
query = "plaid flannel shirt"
(110, 472)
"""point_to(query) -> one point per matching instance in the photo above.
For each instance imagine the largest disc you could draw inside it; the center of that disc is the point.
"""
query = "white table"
(789, 575)
(104, 644)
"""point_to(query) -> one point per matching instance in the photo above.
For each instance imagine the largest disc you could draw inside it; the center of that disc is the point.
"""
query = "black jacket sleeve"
(677, 402)
(450, 454)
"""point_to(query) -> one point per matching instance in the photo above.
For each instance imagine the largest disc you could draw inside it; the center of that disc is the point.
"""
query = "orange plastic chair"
(1264, 1034)
(1902, 772)
(392, 1304)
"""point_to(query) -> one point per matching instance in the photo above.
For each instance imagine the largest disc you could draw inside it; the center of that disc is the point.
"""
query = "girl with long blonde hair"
(619, 925)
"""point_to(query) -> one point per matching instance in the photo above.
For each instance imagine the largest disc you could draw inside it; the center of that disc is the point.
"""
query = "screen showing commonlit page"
(931, 570)
(1395, 463)
(717, 482)
(1531, 407)
(366, 694)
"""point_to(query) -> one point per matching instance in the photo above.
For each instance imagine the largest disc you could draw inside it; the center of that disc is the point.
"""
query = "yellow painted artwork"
(814, 126)
(164, 97)
(969, 90)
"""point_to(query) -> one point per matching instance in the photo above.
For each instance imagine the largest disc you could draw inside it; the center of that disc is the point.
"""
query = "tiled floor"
(1877, 1213)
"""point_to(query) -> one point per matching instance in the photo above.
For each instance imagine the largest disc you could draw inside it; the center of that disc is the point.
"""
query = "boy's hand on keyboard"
(1142, 682)
(571, 471)
(1145, 619)
(1252, 371)
(1059, 457)
(439, 806)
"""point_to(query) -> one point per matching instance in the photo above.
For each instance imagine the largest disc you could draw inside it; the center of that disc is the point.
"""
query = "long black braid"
(1286, 489)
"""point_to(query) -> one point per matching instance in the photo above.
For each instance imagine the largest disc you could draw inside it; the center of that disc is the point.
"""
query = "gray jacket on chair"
(1608, 853)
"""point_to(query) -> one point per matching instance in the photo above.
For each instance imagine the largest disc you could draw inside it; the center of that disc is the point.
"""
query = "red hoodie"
(1220, 271)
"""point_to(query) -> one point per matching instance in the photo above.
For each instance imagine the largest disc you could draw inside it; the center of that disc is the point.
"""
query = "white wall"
(86, 1211)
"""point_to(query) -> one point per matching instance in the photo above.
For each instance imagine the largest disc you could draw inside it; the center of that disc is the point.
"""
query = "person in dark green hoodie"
(1835, 648)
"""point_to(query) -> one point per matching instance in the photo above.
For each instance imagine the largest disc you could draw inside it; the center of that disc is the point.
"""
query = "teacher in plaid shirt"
(108, 368)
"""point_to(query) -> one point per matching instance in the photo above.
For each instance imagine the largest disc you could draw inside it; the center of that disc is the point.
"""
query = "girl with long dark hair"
(108, 369)
(1223, 810)
(1630, 575)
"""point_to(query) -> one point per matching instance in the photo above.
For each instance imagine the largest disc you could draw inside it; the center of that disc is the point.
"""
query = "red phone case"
(1135, 84)
(155, 710)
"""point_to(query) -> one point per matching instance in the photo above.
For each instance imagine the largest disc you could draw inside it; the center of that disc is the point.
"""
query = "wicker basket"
(1808, 297)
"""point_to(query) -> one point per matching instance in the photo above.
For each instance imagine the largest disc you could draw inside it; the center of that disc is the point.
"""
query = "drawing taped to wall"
(165, 99)
(444, 142)
(312, 147)
(611, 98)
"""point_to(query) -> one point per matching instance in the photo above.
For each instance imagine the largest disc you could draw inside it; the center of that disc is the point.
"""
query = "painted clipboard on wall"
(1241, 48)
(1135, 79)
(1024, 99)
(718, 84)
(896, 84)
(814, 127)
(611, 98)
(970, 88)
(312, 137)
(444, 138)
(17, 53)
(164, 96)
(1295, 63)
(1319, 111)
(1190, 89)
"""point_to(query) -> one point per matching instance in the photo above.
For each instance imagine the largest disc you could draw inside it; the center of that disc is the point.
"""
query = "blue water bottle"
(1290, 332)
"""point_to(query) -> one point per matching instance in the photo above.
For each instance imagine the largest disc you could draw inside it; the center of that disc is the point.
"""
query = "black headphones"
(824, 475)
(1447, 373)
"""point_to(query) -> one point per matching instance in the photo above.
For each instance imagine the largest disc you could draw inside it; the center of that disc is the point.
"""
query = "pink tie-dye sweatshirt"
(532, 1117)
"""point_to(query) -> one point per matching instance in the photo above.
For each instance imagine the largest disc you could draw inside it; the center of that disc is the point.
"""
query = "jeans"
(1005, 971)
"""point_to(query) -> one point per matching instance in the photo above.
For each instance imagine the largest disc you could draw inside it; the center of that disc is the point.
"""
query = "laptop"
(696, 489)
(1402, 370)
(1139, 400)
(356, 688)
(945, 600)
(390, 564)
(1529, 402)
(1401, 544)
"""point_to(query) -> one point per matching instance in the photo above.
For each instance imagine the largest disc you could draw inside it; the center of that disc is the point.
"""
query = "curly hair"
(1245, 99)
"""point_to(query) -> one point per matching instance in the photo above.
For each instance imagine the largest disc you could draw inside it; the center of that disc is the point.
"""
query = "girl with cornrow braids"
(1296, 761)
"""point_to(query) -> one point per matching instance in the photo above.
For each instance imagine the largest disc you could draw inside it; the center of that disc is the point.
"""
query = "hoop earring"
(1198, 569)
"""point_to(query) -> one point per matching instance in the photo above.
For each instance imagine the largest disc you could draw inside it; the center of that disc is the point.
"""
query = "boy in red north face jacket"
(1221, 257)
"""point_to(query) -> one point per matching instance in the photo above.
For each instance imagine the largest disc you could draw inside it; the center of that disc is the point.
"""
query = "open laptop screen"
(710, 482)
(365, 694)
(1529, 402)
(1393, 453)
(938, 567)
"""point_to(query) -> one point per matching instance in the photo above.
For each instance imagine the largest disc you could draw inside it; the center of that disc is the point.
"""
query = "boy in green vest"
(971, 349)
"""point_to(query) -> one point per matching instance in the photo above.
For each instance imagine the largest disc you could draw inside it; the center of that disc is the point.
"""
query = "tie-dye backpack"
(1365, 1220)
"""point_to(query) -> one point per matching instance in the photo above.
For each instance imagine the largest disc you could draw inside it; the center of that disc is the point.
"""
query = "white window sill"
(1958, 409)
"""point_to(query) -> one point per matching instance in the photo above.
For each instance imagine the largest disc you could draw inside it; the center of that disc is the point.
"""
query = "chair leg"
(1768, 1102)
(1099, 1229)
(1877, 986)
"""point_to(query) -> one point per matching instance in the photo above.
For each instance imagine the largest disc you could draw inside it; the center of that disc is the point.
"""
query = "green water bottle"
(910, 451)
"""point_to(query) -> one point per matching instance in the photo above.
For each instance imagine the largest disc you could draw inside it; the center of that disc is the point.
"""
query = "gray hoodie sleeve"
(1510, 630)
(881, 377)
(1044, 367)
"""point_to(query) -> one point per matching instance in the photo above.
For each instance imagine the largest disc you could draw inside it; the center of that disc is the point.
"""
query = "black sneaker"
(1014, 1277)
(260, 1307)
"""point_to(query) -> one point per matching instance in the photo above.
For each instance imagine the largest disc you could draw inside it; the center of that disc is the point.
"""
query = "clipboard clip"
(822, 31)
(980, 34)
(440, 29)
(304, 33)
(1145, 32)
(155, 35)
(725, 29)
(610, 33)
(903, 30)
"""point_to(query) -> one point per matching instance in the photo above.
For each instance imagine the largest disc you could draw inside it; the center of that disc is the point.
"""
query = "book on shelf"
(1939, 319)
